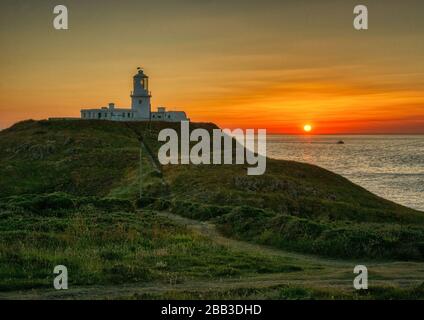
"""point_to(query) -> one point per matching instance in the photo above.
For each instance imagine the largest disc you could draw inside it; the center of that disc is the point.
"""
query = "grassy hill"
(69, 190)
(298, 207)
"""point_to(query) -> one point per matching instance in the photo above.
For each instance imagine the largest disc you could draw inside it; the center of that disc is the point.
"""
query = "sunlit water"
(390, 166)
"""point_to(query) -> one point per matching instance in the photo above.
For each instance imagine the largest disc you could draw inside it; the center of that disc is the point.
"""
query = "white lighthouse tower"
(140, 96)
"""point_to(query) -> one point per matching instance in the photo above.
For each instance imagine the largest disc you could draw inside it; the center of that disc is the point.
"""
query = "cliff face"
(294, 205)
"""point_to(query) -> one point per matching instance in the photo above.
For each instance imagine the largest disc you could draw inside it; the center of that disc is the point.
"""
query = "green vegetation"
(69, 195)
(298, 207)
(49, 156)
(104, 241)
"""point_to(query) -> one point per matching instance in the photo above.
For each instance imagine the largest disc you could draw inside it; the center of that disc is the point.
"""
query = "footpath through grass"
(105, 241)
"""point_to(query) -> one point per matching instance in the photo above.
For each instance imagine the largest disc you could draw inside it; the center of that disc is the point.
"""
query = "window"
(129, 115)
(140, 101)
(144, 83)
(99, 115)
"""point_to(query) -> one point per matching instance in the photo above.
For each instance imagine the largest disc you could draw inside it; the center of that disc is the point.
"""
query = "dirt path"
(317, 272)
(209, 230)
(390, 270)
(126, 291)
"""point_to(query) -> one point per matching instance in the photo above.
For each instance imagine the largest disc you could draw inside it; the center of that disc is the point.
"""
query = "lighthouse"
(140, 106)
(140, 96)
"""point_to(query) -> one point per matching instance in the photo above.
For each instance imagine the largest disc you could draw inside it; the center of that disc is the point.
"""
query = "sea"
(391, 166)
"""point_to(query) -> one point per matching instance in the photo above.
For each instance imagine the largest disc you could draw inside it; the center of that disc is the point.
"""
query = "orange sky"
(249, 64)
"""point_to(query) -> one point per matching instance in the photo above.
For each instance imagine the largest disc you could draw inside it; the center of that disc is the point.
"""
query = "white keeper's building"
(140, 106)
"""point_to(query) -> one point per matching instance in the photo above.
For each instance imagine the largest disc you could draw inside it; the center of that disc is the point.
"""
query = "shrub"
(145, 201)
(156, 189)
(161, 204)
(112, 204)
(43, 203)
(197, 210)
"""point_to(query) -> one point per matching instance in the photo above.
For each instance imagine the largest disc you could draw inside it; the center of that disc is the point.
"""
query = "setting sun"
(307, 128)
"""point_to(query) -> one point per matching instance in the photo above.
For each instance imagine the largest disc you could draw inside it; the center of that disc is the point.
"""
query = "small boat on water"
(340, 142)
